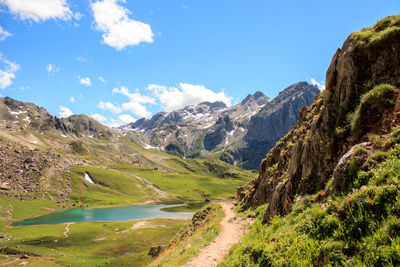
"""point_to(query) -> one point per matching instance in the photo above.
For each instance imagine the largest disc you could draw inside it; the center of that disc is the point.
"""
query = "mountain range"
(240, 135)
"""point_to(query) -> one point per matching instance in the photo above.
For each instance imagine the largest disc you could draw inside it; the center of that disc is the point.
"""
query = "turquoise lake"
(113, 214)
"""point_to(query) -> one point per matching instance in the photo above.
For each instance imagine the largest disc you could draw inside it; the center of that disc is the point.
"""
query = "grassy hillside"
(359, 225)
(329, 193)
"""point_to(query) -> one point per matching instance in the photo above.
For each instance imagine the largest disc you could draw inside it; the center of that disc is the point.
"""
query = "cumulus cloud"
(126, 118)
(7, 72)
(101, 79)
(40, 10)
(52, 68)
(136, 103)
(85, 81)
(72, 99)
(114, 123)
(109, 106)
(118, 29)
(173, 98)
(4, 34)
(99, 118)
(64, 112)
(320, 85)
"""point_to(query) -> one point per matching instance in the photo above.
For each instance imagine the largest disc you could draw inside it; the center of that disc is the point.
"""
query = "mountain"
(186, 132)
(238, 135)
(271, 123)
(15, 114)
(328, 192)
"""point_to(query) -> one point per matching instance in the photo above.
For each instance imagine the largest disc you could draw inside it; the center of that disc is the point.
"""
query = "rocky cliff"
(360, 99)
(272, 122)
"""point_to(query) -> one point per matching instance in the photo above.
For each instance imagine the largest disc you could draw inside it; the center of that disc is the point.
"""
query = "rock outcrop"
(272, 122)
(304, 160)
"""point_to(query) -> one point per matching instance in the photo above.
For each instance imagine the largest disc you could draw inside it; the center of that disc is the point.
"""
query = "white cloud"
(64, 112)
(114, 123)
(99, 118)
(119, 30)
(101, 79)
(40, 10)
(320, 85)
(126, 118)
(85, 81)
(81, 59)
(7, 72)
(4, 34)
(109, 106)
(173, 98)
(135, 105)
(72, 99)
(52, 68)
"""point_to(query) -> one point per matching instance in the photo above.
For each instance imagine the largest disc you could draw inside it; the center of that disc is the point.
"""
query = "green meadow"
(117, 243)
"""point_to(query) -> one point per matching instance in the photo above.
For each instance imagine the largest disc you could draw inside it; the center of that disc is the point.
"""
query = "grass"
(92, 244)
(360, 227)
(187, 186)
(379, 31)
(372, 106)
(26, 208)
(188, 207)
(111, 187)
(193, 237)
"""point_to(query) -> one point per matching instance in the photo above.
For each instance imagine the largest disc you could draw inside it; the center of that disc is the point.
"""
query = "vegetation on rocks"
(381, 30)
(328, 193)
(356, 225)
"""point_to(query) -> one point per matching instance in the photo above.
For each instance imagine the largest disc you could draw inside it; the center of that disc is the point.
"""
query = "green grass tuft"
(372, 106)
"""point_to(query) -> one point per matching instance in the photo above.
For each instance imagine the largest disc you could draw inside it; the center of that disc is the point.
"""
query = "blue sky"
(121, 60)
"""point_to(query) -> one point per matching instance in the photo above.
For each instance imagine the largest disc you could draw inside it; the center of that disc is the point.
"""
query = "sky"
(120, 60)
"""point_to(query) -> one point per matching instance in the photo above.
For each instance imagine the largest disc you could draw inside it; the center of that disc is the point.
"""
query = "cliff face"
(273, 121)
(304, 160)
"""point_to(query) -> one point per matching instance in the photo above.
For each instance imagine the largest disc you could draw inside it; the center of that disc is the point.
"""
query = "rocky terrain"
(15, 114)
(271, 123)
(341, 117)
(239, 135)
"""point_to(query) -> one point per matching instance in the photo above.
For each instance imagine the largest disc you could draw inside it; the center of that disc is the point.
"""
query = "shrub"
(373, 104)
(77, 147)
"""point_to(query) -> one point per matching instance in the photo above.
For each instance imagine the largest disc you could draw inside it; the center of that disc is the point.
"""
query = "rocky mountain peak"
(259, 97)
(214, 105)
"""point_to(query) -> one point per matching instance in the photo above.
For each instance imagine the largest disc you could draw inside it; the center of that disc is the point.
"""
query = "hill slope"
(329, 190)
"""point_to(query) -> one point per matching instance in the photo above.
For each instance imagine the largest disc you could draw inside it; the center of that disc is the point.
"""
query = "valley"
(47, 171)
(275, 166)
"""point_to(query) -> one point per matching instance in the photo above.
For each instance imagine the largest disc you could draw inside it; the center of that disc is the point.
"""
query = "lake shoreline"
(98, 214)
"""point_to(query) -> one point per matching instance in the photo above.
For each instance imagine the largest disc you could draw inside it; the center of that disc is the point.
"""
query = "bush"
(373, 104)
(77, 147)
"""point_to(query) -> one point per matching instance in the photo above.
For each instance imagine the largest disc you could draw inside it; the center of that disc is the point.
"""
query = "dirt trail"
(67, 230)
(158, 194)
(231, 231)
